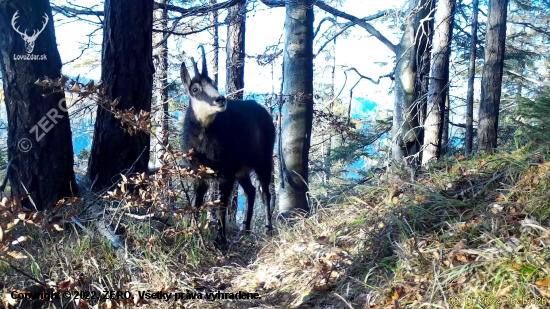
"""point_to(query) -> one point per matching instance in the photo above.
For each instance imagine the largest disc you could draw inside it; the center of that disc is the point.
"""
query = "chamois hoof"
(269, 231)
(283, 215)
(221, 243)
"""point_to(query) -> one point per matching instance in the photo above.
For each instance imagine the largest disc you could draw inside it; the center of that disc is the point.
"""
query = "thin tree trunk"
(161, 83)
(424, 39)
(298, 106)
(214, 66)
(439, 80)
(127, 70)
(235, 51)
(491, 83)
(469, 135)
(39, 131)
(330, 108)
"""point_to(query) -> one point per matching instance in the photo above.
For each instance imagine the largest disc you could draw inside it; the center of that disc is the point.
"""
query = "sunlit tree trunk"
(424, 39)
(491, 83)
(411, 52)
(439, 80)
(298, 106)
(469, 136)
(127, 71)
(404, 92)
(39, 132)
(161, 82)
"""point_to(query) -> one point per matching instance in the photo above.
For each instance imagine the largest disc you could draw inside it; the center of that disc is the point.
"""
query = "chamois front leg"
(226, 187)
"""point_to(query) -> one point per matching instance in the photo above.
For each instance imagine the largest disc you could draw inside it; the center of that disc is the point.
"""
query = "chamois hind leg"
(200, 187)
(264, 176)
(226, 187)
(250, 194)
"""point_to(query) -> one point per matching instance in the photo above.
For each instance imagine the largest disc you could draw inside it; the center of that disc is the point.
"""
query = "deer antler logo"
(29, 40)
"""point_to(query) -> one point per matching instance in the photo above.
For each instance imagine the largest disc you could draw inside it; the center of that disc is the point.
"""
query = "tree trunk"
(235, 51)
(127, 70)
(330, 108)
(39, 132)
(469, 136)
(161, 83)
(424, 39)
(298, 106)
(414, 45)
(491, 83)
(404, 91)
(214, 66)
(445, 128)
(439, 80)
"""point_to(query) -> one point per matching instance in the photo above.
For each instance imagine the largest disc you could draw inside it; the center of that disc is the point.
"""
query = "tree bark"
(127, 70)
(491, 83)
(235, 51)
(39, 132)
(298, 106)
(161, 83)
(469, 135)
(439, 80)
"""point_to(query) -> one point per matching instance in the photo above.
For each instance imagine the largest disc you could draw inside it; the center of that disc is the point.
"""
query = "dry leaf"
(544, 282)
(459, 245)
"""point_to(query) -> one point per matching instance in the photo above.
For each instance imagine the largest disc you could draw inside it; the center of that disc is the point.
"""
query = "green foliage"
(534, 119)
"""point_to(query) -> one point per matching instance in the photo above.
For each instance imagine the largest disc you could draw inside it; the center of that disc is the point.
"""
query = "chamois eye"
(195, 89)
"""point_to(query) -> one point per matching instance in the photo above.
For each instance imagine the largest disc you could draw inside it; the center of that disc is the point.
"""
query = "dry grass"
(467, 234)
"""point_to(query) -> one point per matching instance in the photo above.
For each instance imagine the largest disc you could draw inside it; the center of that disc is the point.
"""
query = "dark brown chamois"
(231, 137)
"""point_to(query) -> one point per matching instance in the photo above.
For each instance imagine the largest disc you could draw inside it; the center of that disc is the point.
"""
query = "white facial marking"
(211, 91)
(204, 111)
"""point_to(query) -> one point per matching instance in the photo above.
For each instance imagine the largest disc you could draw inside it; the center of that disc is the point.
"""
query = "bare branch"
(185, 12)
(188, 32)
(533, 27)
(376, 82)
(274, 3)
(534, 81)
(70, 12)
(460, 125)
(198, 10)
(332, 20)
(346, 27)
(362, 22)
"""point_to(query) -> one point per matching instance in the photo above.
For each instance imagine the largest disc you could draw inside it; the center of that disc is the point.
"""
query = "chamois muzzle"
(220, 101)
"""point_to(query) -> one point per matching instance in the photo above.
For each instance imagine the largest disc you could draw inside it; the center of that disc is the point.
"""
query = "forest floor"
(467, 233)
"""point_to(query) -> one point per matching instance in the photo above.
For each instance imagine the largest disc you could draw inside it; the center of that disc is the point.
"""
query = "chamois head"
(205, 100)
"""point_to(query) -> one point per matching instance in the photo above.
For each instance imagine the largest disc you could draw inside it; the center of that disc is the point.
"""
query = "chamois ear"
(204, 66)
(185, 78)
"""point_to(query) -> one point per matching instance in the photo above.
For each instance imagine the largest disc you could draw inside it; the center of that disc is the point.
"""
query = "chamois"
(232, 137)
